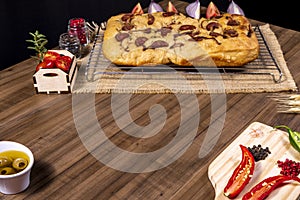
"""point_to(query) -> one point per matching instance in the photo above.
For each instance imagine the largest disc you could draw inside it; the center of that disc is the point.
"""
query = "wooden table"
(65, 169)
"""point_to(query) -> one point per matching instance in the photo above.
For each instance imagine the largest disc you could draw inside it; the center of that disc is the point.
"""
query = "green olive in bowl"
(5, 161)
(7, 171)
(20, 163)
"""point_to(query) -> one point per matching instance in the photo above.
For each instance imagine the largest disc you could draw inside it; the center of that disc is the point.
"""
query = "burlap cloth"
(183, 83)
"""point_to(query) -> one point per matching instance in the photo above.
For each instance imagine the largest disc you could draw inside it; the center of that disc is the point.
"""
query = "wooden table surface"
(65, 169)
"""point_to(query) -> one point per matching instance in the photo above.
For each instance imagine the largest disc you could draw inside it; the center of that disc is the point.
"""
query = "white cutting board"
(222, 167)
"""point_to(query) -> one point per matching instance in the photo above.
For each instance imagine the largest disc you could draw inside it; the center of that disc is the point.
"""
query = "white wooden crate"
(55, 80)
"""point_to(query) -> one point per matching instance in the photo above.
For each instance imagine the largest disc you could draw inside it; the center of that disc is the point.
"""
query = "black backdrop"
(50, 17)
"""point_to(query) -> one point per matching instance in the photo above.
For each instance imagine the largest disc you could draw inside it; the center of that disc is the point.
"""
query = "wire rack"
(265, 64)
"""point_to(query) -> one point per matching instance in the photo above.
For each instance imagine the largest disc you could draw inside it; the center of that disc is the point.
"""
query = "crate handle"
(50, 74)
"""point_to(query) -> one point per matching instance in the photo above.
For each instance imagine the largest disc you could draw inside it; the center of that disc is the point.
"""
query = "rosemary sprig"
(38, 42)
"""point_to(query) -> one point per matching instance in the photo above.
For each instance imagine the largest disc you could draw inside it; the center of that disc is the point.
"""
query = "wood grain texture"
(64, 169)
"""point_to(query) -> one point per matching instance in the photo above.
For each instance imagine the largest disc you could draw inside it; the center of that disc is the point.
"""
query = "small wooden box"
(55, 80)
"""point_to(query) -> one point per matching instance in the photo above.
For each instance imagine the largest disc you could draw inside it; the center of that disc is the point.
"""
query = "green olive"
(20, 163)
(5, 161)
(7, 171)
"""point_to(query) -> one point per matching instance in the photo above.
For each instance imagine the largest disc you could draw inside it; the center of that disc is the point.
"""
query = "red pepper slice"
(265, 187)
(241, 175)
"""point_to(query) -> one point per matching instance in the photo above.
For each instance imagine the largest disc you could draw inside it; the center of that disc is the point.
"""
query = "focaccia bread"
(164, 37)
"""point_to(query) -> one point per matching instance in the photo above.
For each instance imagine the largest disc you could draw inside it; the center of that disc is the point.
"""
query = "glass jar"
(70, 43)
(77, 26)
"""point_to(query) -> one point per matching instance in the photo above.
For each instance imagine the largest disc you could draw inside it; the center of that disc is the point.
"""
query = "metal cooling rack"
(265, 64)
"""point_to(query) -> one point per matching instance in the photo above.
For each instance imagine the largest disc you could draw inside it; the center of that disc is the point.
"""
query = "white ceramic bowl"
(15, 183)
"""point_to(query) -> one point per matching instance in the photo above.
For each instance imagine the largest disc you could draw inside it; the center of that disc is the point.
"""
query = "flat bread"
(167, 37)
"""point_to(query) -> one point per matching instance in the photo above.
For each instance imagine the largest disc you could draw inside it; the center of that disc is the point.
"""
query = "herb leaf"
(38, 44)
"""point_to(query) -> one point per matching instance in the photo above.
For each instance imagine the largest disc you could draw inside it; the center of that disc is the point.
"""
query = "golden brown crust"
(162, 38)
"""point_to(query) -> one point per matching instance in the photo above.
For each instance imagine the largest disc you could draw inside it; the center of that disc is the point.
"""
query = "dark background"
(50, 17)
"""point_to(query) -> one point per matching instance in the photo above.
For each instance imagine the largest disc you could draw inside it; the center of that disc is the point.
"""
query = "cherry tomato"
(137, 9)
(212, 11)
(51, 56)
(45, 65)
(63, 62)
(171, 8)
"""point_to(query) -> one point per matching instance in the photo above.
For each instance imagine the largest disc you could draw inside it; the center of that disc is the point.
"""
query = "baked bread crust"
(163, 38)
